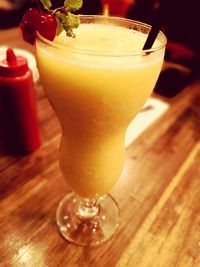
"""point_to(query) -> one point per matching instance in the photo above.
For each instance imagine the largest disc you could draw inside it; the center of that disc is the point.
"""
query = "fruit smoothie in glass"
(97, 77)
(97, 82)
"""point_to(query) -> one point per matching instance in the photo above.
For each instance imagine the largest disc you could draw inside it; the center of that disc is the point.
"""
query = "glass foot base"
(87, 231)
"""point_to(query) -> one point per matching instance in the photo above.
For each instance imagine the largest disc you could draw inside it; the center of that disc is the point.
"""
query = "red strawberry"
(35, 20)
(28, 25)
(46, 25)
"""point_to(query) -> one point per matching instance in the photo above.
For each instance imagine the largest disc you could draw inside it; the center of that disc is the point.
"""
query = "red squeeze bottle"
(18, 104)
(117, 7)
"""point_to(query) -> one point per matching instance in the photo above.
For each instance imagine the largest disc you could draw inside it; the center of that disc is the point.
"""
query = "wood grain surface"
(158, 194)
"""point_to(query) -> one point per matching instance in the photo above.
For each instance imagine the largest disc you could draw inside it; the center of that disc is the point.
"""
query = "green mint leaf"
(69, 32)
(61, 17)
(68, 22)
(73, 5)
(59, 27)
(46, 4)
(71, 21)
(74, 20)
(65, 19)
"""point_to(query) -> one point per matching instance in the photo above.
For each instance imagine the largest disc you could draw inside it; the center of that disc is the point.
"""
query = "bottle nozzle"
(13, 65)
(10, 56)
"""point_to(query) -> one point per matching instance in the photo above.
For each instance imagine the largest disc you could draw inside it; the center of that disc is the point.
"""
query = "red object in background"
(179, 51)
(18, 104)
(117, 7)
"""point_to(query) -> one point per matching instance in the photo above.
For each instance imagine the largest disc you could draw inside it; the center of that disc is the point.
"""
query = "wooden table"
(158, 195)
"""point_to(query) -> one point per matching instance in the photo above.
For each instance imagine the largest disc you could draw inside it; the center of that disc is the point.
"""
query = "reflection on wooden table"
(158, 194)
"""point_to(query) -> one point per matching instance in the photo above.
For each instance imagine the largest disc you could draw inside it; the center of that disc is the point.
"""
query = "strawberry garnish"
(28, 25)
(49, 22)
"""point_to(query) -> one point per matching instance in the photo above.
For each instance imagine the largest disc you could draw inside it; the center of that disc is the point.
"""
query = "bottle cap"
(13, 65)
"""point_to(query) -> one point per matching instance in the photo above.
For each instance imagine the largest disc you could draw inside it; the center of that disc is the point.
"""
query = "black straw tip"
(156, 26)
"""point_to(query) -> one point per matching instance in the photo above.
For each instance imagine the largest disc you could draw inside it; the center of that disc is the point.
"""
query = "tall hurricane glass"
(96, 82)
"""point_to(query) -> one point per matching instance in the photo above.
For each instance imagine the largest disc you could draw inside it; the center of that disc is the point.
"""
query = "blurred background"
(180, 20)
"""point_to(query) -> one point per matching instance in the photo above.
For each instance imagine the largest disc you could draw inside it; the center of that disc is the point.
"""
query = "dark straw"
(156, 26)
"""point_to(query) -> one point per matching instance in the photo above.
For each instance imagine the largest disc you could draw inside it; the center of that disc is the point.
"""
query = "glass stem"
(88, 208)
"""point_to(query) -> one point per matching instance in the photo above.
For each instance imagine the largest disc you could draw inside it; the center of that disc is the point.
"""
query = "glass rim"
(94, 53)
